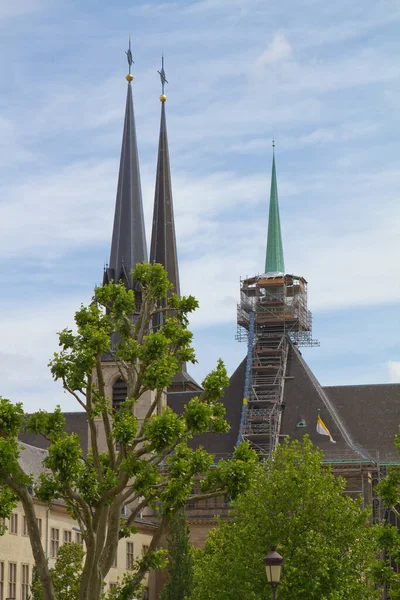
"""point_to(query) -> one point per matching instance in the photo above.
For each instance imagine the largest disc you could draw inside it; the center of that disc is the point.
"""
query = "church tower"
(272, 315)
(163, 239)
(128, 243)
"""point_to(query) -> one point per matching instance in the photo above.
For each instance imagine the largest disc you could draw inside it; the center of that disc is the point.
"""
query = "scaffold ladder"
(249, 362)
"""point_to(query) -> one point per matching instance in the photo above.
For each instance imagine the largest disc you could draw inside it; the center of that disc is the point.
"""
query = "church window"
(24, 526)
(119, 393)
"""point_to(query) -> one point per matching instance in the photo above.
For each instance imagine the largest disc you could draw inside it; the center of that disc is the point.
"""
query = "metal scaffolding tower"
(272, 313)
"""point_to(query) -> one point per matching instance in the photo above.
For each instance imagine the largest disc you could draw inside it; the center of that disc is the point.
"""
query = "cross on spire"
(129, 55)
(162, 75)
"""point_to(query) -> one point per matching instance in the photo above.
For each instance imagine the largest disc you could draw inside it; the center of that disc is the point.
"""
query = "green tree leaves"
(323, 535)
(126, 446)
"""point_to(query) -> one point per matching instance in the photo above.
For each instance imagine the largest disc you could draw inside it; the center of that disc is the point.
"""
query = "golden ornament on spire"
(129, 57)
(163, 98)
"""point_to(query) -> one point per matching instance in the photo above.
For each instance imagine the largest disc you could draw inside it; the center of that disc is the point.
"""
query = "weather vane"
(162, 75)
(129, 55)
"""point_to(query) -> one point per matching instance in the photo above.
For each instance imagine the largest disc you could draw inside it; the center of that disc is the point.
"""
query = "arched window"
(120, 392)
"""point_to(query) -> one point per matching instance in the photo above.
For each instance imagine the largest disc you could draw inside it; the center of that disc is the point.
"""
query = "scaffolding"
(271, 313)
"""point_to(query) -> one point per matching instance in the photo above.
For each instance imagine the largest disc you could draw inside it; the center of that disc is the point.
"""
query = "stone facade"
(57, 528)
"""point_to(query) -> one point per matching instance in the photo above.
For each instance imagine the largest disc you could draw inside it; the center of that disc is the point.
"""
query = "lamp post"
(273, 566)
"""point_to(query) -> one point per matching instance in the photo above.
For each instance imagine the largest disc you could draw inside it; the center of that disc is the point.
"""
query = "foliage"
(389, 539)
(96, 487)
(388, 542)
(324, 536)
(180, 560)
(66, 574)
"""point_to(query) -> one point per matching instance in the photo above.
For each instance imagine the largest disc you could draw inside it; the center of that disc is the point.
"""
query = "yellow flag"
(323, 430)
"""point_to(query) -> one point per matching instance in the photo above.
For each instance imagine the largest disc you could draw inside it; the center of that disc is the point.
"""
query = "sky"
(322, 77)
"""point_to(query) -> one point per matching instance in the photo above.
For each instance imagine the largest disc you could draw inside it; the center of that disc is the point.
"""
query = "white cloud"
(278, 50)
(394, 371)
(17, 9)
(59, 211)
(29, 340)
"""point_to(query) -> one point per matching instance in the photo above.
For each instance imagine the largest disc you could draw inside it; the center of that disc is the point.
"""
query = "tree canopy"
(296, 503)
(127, 471)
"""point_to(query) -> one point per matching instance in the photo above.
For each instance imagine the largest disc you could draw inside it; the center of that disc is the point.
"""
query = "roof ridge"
(359, 385)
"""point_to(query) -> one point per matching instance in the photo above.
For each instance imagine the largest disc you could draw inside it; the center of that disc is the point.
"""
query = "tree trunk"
(34, 538)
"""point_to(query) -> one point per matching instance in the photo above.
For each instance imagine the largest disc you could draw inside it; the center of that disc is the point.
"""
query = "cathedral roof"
(362, 419)
(76, 422)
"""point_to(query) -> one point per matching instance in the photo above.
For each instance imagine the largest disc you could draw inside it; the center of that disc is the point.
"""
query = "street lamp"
(273, 566)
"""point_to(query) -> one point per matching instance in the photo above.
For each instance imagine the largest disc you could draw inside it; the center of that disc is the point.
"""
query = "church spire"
(274, 262)
(163, 240)
(128, 245)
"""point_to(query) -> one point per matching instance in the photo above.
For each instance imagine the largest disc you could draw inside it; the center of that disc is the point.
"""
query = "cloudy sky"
(322, 77)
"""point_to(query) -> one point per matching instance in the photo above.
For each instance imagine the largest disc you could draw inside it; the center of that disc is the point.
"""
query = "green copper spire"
(274, 262)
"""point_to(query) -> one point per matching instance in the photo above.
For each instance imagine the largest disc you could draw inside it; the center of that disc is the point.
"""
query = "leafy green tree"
(389, 538)
(66, 574)
(325, 537)
(180, 560)
(386, 570)
(95, 487)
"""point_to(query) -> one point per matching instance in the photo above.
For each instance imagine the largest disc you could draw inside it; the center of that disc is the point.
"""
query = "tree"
(296, 503)
(66, 574)
(180, 560)
(95, 487)
(389, 538)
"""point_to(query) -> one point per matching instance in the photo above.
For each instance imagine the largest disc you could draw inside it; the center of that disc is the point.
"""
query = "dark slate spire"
(274, 262)
(163, 240)
(128, 245)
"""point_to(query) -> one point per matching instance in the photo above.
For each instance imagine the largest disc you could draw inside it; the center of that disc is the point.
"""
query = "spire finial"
(161, 73)
(129, 57)
(273, 145)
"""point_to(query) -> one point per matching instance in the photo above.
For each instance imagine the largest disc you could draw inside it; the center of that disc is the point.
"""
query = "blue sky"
(322, 77)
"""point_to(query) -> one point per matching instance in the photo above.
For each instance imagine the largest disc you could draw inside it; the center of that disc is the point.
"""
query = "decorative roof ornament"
(274, 261)
(164, 80)
(129, 57)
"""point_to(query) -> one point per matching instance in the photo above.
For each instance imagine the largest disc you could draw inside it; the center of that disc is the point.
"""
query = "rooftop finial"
(273, 144)
(129, 57)
(163, 97)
